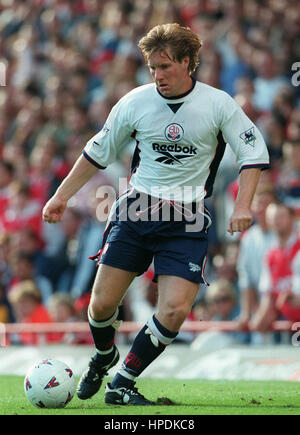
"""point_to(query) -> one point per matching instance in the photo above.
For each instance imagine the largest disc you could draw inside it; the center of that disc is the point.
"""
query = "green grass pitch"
(191, 397)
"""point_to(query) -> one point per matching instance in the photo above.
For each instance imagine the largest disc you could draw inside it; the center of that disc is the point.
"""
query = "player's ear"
(186, 62)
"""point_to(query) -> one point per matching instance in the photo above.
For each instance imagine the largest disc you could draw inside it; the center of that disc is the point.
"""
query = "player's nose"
(158, 75)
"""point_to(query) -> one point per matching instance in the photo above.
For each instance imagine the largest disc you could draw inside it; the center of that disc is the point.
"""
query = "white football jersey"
(180, 140)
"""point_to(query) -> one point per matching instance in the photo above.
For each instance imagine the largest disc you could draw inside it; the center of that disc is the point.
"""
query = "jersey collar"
(177, 97)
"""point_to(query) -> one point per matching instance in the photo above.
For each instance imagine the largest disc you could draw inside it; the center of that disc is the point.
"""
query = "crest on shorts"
(174, 132)
(248, 137)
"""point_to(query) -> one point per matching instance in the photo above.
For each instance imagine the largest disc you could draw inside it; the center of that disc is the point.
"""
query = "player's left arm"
(241, 218)
(252, 156)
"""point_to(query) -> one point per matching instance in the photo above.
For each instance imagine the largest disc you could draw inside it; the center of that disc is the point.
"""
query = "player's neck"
(186, 90)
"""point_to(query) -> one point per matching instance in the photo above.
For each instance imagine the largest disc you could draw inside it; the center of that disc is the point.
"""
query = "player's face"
(171, 77)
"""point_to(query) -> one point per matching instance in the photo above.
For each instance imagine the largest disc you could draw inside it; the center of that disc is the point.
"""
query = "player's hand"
(240, 220)
(54, 210)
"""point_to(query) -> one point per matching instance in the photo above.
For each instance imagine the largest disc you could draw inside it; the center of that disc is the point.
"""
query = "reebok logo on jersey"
(168, 158)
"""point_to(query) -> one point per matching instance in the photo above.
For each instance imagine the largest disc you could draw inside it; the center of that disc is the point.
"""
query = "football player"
(181, 128)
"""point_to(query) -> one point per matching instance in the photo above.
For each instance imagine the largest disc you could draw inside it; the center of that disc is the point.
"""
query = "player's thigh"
(176, 296)
(109, 288)
(120, 262)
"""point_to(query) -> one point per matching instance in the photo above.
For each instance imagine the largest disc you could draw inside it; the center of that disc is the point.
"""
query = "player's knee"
(175, 315)
(101, 309)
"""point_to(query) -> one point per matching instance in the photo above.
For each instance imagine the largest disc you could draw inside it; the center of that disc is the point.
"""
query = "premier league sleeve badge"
(248, 137)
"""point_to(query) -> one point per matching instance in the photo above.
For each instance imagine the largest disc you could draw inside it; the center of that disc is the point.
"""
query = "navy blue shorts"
(133, 246)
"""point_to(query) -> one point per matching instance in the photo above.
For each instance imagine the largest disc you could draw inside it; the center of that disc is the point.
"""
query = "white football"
(49, 384)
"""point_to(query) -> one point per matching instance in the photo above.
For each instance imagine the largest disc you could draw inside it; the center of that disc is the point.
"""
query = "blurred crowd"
(66, 64)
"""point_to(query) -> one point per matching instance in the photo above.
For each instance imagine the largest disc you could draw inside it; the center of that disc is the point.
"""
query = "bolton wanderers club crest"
(174, 132)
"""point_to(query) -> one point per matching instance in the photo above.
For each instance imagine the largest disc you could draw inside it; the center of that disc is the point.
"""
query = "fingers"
(238, 224)
(51, 217)
(53, 210)
(229, 228)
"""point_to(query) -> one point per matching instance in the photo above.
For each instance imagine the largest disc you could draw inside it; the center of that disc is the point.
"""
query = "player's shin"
(150, 342)
(103, 333)
(106, 357)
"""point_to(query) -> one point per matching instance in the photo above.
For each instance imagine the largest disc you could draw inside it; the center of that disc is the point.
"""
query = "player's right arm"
(99, 152)
(80, 174)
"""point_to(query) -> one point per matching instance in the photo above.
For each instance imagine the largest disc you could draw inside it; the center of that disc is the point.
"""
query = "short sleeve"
(102, 149)
(242, 135)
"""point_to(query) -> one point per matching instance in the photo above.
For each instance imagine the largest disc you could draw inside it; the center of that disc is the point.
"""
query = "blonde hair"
(60, 299)
(222, 286)
(22, 290)
(181, 41)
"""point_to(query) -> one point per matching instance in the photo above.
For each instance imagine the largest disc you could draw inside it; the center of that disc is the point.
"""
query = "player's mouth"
(163, 87)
